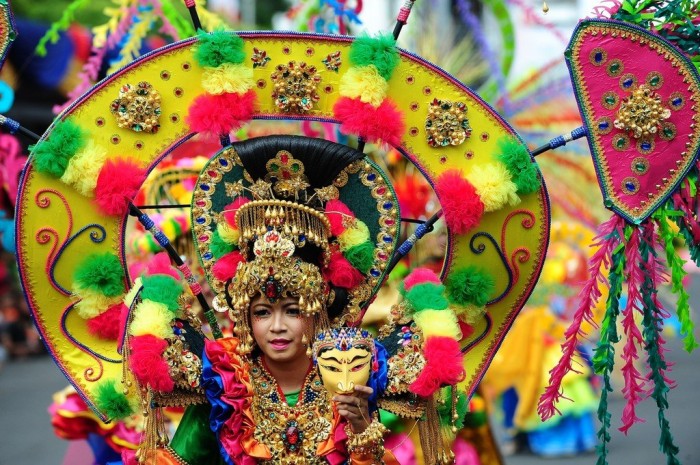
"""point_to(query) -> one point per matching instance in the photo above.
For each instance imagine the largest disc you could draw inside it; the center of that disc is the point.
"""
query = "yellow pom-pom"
(169, 229)
(151, 318)
(93, 303)
(438, 323)
(354, 235)
(364, 82)
(228, 234)
(494, 185)
(469, 313)
(84, 167)
(131, 295)
(227, 78)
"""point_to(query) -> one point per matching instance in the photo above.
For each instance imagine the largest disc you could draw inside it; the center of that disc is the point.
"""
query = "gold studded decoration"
(137, 108)
(295, 87)
(641, 114)
(447, 123)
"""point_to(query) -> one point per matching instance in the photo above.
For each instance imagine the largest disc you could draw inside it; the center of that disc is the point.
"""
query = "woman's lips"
(280, 344)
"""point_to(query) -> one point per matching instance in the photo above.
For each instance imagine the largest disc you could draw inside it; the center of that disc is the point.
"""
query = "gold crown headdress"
(343, 339)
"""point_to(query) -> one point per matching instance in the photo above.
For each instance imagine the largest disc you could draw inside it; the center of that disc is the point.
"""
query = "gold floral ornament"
(259, 58)
(333, 61)
(642, 113)
(286, 173)
(447, 123)
(137, 108)
(295, 87)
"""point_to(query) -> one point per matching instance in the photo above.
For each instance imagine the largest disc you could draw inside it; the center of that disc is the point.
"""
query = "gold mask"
(344, 358)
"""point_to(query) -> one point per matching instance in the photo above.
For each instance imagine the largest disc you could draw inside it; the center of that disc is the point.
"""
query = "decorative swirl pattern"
(44, 235)
(520, 254)
(90, 371)
(484, 333)
(97, 235)
(480, 248)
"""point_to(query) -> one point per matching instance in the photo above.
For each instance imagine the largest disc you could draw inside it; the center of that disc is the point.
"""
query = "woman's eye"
(261, 313)
(359, 367)
(294, 311)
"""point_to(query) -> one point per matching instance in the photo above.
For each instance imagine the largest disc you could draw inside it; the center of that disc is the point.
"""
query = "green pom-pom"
(361, 256)
(218, 246)
(445, 408)
(219, 47)
(469, 285)
(378, 51)
(523, 170)
(111, 401)
(101, 272)
(52, 155)
(427, 296)
(163, 289)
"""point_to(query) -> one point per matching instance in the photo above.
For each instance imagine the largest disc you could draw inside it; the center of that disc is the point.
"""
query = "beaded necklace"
(291, 433)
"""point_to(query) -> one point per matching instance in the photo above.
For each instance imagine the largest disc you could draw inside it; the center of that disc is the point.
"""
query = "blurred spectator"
(17, 335)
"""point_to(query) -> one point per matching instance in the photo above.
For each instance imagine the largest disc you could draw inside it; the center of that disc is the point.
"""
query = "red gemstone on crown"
(292, 435)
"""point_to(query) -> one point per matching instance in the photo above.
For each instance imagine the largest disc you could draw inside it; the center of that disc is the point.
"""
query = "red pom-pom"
(147, 364)
(341, 273)
(216, 115)
(336, 211)
(419, 276)
(118, 182)
(231, 209)
(461, 205)
(160, 264)
(123, 317)
(443, 366)
(383, 123)
(466, 328)
(225, 267)
(106, 324)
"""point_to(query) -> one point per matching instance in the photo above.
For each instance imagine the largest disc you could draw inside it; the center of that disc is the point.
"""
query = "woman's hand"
(355, 408)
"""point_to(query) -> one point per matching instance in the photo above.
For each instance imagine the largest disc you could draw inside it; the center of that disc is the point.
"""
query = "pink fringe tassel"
(588, 296)
(634, 382)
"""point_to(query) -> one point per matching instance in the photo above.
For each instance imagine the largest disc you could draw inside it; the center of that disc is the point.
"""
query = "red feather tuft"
(383, 123)
(216, 115)
(419, 276)
(341, 273)
(225, 267)
(444, 365)
(146, 362)
(461, 205)
(160, 264)
(118, 182)
(106, 324)
(413, 193)
(231, 209)
(335, 212)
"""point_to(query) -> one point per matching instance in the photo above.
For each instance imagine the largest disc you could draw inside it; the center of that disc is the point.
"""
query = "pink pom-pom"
(160, 264)
(129, 457)
(383, 123)
(461, 205)
(341, 273)
(106, 324)
(146, 362)
(419, 276)
(336, 211)
(231, 209)
(443, 366)
(117, 184)
(215, 115)
(226, 266)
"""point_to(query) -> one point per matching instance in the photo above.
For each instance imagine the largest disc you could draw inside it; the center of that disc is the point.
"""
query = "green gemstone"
(640, 167)
(620, 143)
(614, 67)
(274, 167)
(295, 167)
(654, 81)
(668, 132)
(610, 100)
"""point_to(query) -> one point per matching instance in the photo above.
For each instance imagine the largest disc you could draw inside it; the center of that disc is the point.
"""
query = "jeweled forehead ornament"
(276, 273)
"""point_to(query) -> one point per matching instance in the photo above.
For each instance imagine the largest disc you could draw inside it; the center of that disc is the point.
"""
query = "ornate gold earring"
(305, 341)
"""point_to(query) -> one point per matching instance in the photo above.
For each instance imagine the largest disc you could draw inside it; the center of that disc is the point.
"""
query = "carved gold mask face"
(342, 370)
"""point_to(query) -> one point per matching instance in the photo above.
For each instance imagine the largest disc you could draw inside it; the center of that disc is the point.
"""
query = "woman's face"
(278, 328)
